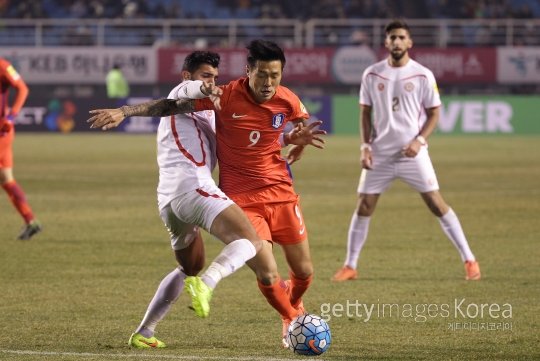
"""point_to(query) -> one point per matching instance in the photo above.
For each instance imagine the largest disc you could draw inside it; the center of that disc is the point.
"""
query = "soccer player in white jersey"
(189, 199)
(405, 100)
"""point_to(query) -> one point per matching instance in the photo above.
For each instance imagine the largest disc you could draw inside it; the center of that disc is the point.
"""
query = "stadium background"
(80, 287)
(485, 54)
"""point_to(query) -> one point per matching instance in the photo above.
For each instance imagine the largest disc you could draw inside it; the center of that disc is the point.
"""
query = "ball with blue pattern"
(309, 335)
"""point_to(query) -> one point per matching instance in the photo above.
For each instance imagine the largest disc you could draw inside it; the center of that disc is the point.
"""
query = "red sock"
(298, 287)
(18, 198)
(277, 297)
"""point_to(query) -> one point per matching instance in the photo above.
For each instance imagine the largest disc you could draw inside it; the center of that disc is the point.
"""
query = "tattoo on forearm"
(159, 108)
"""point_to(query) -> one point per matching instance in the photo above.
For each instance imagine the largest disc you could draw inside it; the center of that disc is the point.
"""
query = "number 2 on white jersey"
(254, 137)
(395, 104)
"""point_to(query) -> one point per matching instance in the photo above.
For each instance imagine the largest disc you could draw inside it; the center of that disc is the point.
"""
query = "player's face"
(398, 42)
(264, 79)
(206, 73)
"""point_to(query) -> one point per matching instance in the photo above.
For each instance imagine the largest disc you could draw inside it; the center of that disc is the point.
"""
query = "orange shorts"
(6, 149)
(275, 213)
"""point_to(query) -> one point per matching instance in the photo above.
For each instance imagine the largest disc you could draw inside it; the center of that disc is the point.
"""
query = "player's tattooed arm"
(159, 108)
(110, 118)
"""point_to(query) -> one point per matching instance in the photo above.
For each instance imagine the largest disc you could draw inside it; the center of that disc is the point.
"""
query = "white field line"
(144, 356)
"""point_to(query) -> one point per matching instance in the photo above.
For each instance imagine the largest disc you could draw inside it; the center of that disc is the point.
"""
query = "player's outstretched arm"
(111, 118)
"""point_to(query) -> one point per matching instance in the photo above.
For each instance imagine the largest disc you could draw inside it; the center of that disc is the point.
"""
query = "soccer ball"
(309, 335)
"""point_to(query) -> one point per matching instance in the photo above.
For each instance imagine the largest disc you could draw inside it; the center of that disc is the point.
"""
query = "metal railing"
(427, 32)
(139, 32)
(229, 33)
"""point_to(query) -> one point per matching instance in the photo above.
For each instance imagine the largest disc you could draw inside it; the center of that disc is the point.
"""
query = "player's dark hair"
(397, 24)
(264, 50)
(194, 60)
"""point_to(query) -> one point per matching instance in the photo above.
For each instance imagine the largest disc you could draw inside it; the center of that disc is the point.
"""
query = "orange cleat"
(472, 270)
(345, 273)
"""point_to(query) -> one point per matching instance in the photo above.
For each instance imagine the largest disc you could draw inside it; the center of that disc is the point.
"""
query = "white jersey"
(398, 97)
(186, 151)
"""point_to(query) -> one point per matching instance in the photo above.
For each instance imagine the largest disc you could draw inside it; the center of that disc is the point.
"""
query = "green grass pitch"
(79, 289)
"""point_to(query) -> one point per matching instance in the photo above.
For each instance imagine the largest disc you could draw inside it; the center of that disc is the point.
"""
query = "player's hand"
(105, 118)
(412, 149)
(294, 153)
(367, 159)
(307, 135)
(6, 125)
(213, 92)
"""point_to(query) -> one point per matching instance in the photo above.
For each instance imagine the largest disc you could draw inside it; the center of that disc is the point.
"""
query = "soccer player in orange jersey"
(251, 114)
(9, 78)
(254, 111)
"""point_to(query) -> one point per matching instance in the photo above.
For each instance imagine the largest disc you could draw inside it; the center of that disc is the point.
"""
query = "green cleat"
(200, 293)
(30, 230)
(139, 341)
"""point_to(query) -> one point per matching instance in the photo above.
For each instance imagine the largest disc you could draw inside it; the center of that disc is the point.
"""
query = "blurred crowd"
(277, 9)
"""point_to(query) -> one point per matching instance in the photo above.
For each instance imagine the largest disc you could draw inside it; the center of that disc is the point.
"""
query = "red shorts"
(275, 213)
(6, 149)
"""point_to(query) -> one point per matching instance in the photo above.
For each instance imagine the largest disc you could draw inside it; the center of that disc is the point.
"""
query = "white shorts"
(186, 213)
(417, 172)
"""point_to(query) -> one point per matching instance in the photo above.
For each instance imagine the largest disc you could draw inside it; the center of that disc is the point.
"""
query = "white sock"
(358, 231)
(452, 228)
(166, 295)
(232, 257)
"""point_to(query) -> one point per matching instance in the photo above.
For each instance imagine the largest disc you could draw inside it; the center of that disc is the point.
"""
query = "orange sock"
(277, 297)
(298, 288)
(17, 197)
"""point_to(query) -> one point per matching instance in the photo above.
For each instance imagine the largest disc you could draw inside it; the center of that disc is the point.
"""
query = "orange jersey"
(10, 78)
(248, 148)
